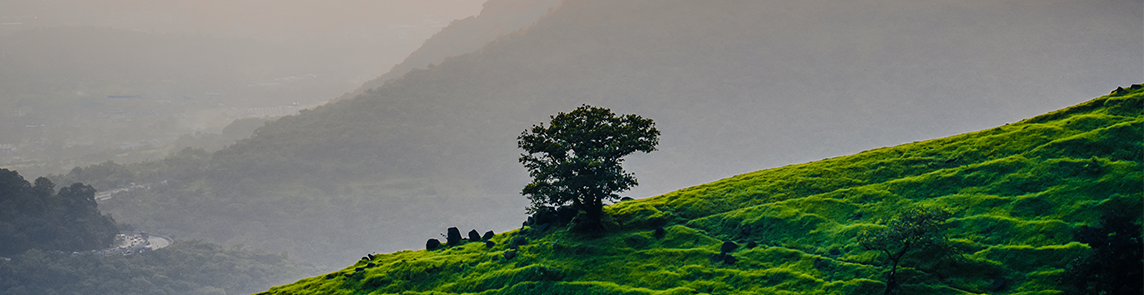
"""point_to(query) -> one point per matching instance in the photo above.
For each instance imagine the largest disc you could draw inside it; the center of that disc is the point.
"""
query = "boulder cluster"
(453, 238)
(724, 255)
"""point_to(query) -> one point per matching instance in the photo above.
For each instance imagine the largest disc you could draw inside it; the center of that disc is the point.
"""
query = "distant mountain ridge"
(498, 18)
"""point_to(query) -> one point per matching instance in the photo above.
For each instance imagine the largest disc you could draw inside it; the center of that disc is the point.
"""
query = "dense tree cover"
(1116, 263)
(33, 215)
(576, 159)
(184, 267)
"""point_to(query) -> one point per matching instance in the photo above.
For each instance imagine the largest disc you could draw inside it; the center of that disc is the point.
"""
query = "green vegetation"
(577, 159)
(1114, 265)
(1020, 193)
(185, 267)
(36, 216)
(917, 228)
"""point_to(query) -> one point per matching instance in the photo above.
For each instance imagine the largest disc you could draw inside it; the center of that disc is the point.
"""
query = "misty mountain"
(799, 81)
(498, 18)
(734, 86)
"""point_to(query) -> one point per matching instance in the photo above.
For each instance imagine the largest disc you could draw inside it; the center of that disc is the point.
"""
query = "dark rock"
(370, 256)
(489, 244)
(999, 283)
(510, 254)
(331, 275)
(656, 221)
(729, 260)
(474, 236)
(358, 269)
(659, 233)
(519, 240)
(432, 244)
(488, 235)
(717, 258)
(728, 246)
(635, 241)
(821, 264)
(751, 245)
(365, 258)
(626, 199)
(453, 237)
(565, 214)
(835, 252)
(370, 265)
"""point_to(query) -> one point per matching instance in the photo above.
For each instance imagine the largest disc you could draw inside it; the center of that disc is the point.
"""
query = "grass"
(1017, 192)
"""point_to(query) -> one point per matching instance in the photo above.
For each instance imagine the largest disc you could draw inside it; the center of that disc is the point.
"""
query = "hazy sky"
(390, 28)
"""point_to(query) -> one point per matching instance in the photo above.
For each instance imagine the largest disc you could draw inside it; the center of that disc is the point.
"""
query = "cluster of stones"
(453, 238)
(514, 245)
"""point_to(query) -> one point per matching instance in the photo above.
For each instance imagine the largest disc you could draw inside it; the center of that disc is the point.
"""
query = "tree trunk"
(892, 280)
(592, 220)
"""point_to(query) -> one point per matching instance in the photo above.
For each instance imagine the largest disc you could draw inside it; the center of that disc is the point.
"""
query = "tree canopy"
(35, 216)
(576, 158)
(913, 229)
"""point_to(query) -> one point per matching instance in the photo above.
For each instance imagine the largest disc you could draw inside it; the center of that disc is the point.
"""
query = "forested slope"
(51, 243)
(37, 216)
(1033, 204)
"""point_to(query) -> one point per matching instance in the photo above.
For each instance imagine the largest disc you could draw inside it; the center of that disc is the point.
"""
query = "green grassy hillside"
(1019, 194)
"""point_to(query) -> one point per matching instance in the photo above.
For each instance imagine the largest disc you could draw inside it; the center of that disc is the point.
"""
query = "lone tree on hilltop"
(576, 159)
(914, 229)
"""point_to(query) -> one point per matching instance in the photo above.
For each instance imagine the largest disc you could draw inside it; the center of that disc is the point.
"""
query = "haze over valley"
(91, 81)
(332, 130)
